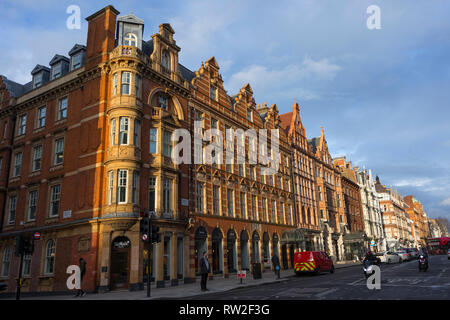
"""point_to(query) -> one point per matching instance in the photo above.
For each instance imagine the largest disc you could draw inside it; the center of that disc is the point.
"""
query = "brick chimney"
(101, 35)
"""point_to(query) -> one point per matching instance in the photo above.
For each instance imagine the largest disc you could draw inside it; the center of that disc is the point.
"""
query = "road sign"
(145, 237)
(37, 235)
(241, 274)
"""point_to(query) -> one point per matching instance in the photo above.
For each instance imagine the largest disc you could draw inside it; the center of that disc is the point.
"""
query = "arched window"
(163, 102)
(130, 40)
(6, 261)
(165, 60)
(49, 257)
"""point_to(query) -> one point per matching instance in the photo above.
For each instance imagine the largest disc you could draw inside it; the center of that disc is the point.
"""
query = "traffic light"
(145, 223)
(156, 237)
(24, 245)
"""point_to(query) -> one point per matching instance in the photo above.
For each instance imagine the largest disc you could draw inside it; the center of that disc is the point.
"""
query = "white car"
(403, 255)
(389, 257)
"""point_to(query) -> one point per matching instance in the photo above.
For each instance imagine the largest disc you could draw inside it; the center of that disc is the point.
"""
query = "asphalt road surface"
(398, 281)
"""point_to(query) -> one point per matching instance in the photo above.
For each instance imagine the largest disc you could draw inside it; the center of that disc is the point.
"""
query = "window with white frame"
(22, 125)
(26, 267)
(113, 132)
(41, 117)
(254, 209)
(17, 164)
(55, 199)
(167, 195)
(123, 130)
(59, 151)
(165, 61)
(199, 196)
(230, 202)
(115, 83)
(125, 85)
(32, 205)
(274, 211)
(110, 186)
(122, 177)
(6, 261)
(243, 206)
(56, 71)
(167, 147)
(137, 132)
(264, 209)
(163, 102)
(152, 194)
(38, 79)
(130, 40)
(216, 208)
(12, 209)
(62, 108)
(213, 92)
(49, 257)
(77, 60)
(135, 183)
(153, 139)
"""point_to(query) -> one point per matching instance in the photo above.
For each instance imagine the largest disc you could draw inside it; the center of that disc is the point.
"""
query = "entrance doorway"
(291, 254)
(120, 263)
(231, 251)
(217, 251)
(284, 256)
(245, 252)
(200, 246)
(266, 249)
(255, 246)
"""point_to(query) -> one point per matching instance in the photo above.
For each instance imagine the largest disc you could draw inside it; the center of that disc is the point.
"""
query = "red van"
(312, 261)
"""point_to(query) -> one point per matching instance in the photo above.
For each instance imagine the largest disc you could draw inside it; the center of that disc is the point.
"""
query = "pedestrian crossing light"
(145, 223)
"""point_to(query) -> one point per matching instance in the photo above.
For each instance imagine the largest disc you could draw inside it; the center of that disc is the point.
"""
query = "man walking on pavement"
(276, 265)
(80, 292)
(204, 270)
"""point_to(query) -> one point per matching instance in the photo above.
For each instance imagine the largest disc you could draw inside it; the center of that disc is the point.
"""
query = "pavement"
(398, 282)
(182, 291)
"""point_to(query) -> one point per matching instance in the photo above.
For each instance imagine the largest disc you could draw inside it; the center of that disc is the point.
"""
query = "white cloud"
(413, 182)
(446, 202)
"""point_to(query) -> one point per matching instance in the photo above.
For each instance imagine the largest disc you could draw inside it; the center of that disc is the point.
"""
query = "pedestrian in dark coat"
(82, 265)
(204, 270)
(276, 265)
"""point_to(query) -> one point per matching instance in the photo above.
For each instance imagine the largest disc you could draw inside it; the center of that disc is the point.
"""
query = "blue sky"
(382, 95)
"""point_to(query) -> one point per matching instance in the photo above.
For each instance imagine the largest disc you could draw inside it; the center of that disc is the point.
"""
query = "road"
(398, 281)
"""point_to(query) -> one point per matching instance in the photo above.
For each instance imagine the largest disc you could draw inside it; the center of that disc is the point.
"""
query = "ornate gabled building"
(395, 219)
(303, 175)
(86, 146)
(420, 225)
(356, 240)
(238, 214)
(330, 198)
(373, 221)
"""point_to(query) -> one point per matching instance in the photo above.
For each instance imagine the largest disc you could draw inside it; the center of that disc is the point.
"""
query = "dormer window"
(130, 40)
(56, 71)
(249, 115)
(165, 61)
(163, 102)
(77, 60)
(38, 80)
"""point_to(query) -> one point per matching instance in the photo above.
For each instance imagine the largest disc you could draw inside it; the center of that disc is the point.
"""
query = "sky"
(382, 95)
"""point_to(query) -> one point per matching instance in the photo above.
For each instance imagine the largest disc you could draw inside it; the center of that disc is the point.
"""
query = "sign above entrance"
(121, 243)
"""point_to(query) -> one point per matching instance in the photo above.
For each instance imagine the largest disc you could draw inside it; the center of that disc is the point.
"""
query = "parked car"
(3, 286)
(403, 254)
(413, 252)
(312, 261)
(448, 254)
(388, 257)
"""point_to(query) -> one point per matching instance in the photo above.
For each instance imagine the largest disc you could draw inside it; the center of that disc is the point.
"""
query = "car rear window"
(380, 254)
